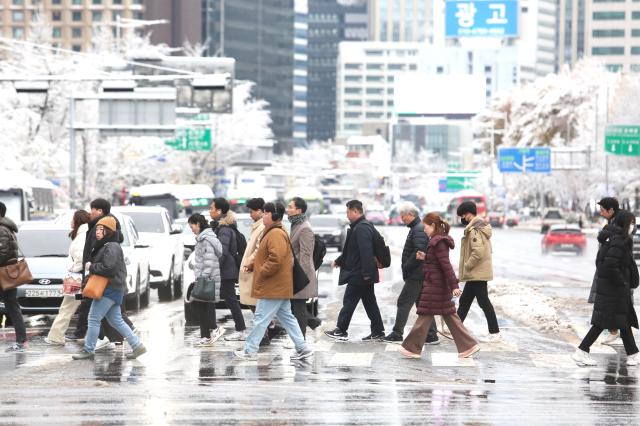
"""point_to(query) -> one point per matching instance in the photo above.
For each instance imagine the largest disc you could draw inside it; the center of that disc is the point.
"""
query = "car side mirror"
(176, 229)
(187, 252)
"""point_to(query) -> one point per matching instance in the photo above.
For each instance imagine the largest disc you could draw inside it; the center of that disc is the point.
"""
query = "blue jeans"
(266, 309)
(107, 308)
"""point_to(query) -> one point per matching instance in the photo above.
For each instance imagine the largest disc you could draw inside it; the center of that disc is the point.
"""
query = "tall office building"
(612, 33)
(401, 20)
(330, 22)
(369, 74)
(268, 40)
(185, 21)
(571, 31)
(537, 43)
(72, 21)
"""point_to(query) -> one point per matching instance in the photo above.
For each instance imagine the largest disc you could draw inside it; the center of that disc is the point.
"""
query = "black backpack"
(241, 246)
(319, 251)
(380, 248)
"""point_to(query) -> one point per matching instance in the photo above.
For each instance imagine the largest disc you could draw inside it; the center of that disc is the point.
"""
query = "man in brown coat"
(273, 286)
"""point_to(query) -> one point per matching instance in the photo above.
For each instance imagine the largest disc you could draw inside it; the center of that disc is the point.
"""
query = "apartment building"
(72, 21)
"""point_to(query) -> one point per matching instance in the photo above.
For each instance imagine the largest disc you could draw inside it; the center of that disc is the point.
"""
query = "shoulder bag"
(15, 273)
(94, 289)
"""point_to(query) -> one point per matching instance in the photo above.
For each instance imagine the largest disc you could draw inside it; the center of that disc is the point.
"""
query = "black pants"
(473, 289)
(625, 333)
(228, 293)
(206, 314)
(10, 299)
(299, 309)
(105, 328)
(352, 296)
(408, 299)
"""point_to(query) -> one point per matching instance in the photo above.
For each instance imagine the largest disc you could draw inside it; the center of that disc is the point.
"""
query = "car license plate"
(566, 246)
(44, 293)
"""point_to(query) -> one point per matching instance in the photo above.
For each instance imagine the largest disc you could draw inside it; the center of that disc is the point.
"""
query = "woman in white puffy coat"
(79, 228)
(207, 254)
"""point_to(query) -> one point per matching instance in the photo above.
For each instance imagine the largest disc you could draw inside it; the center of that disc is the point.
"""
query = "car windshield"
(323, 222)
(147, 222)
(553, 214)
(566, 231)
(44, 242)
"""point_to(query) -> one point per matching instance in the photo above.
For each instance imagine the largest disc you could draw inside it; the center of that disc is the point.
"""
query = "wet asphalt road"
(527, 379)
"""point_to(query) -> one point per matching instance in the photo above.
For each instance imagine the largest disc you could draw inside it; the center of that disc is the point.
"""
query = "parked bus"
(461, 197)
(179, 200)
(26, 197)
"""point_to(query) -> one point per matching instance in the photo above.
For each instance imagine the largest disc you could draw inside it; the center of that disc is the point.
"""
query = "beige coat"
(476, 252)
(246, 278)
(302, 241)
(273, 265)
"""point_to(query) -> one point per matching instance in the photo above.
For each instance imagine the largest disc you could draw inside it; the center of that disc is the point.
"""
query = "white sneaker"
(217, 334)
(236, 336)
(612, 339)
(633, 359)
(104, 345)
(203, 343)
(583, 358)
(492, 338)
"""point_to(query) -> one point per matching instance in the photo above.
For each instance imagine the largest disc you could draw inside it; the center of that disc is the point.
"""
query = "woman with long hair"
(69, 304)
(439, 286)
(616, 275)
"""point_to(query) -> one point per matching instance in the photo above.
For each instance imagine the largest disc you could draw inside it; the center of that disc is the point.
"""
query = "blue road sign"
(481, 18)
(523, 160)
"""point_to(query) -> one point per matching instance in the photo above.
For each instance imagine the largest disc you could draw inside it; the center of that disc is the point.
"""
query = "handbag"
(204, 290)
(300, 279)
(94, 289)
(15, 274)
(71, 285)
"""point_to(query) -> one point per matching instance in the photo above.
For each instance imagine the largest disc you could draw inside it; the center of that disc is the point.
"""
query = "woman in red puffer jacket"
(439, 286)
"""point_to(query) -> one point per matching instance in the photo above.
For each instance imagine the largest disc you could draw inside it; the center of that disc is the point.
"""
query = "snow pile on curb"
(527, 304)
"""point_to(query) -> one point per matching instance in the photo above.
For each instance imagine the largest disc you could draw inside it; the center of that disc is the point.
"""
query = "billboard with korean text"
(481, 18)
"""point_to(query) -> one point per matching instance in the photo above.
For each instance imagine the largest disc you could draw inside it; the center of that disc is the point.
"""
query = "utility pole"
(72, 149)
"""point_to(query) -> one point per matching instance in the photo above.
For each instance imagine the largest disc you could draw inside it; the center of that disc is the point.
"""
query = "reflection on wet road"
(527, 378)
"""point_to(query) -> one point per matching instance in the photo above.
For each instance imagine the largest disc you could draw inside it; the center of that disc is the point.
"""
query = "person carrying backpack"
(225, 227)
(303, 242)
(358, 265)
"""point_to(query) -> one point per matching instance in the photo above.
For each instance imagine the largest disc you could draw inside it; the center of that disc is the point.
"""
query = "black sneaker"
(374, 337)
(435, 341)
(265, 341)
(393, 337)
(313, 323)
(337, 334)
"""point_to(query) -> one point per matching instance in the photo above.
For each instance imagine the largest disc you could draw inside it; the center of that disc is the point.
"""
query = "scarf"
(297, 219)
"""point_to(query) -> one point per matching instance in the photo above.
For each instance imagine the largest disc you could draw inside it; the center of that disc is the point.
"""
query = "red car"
(568, 238)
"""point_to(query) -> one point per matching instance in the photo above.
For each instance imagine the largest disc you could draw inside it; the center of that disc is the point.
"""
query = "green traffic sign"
(191, 139)
(622, 140)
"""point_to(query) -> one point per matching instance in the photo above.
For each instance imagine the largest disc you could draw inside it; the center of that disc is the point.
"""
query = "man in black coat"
(8, 253)
(358, 269)
(412, 274)
(99, 208)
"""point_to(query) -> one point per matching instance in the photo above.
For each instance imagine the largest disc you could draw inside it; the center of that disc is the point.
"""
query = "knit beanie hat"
(108, 222)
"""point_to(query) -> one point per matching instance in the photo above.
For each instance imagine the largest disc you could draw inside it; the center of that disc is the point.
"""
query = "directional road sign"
(622, 140)
(524, 160)
(191, 139)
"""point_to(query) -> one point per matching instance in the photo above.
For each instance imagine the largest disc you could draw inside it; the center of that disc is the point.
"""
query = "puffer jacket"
(91, 241)
(76, 249)
(208, 251)
(416, 241)
(107, 260)
(475, 252)
(357, 261)
(225, 230)
(616, 274)
(8, 242)
(439, 279)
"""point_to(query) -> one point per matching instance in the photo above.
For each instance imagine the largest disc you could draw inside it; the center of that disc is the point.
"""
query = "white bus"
(180, 200)
(26, 197)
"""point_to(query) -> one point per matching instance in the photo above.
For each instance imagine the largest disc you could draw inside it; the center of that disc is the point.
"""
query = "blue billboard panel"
(481, 18)
(523, 160)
